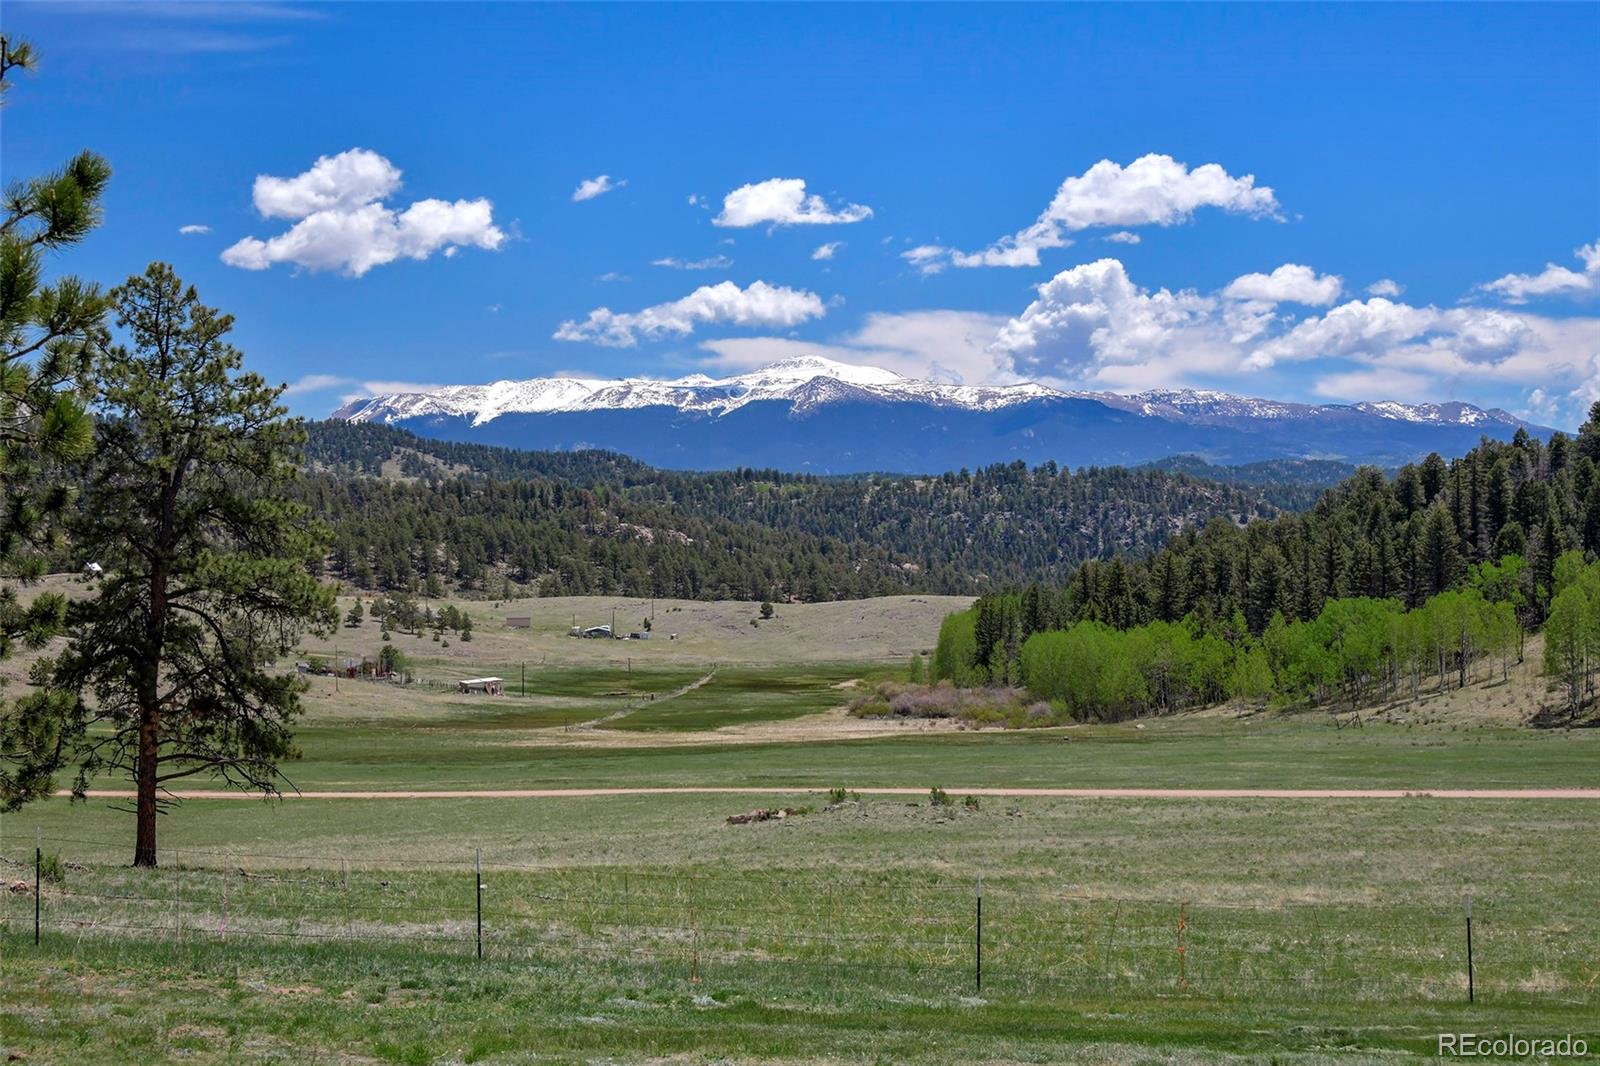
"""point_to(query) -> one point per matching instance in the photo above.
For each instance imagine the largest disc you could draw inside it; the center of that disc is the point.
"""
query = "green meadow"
(648, 928)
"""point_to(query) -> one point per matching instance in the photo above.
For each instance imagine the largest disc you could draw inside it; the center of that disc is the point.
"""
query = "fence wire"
(903, 929)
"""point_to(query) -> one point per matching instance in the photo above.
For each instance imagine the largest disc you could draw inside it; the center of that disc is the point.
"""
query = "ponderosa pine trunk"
(144, 848)
(148, 758)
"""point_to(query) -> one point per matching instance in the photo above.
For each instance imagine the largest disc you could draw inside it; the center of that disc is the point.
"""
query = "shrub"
(978, 706)
(938, 797)
(51, 869)
(970, 803)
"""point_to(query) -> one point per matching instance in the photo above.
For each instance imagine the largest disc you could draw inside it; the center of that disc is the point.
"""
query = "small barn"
(519, 621)
(598, 633)
(488, 686)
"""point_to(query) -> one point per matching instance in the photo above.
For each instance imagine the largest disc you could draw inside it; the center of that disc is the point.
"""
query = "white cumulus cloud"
(353, 388)
(936, 345)
(826, 251)
(193, 230)
(759, 304)
(1553, 280)
(1388, 383)
(1093, 325)
(1385, 287)
(1152, 190)
(1377, 329)
(713, 262)
(343, 226)
(1123, 236)
(1290, 283)
(334, 183)
(316, 383)
(783, 202)
(589, 188)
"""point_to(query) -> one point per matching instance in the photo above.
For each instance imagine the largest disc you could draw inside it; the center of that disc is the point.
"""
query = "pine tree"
(1168, 588)
(1589, 434)
(1266, 591)
(1547, 550)
(1435, 474)
(207, 560)
(1439, 564)
(48, 335)
(1591, 517)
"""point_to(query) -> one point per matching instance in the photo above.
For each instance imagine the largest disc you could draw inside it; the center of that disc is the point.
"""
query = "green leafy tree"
(391, 660)
(1567, 643)
(209, 563)
(1251, 678)
(49, 333)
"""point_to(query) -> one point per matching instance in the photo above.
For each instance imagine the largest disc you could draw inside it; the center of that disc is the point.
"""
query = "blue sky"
(1305, 202)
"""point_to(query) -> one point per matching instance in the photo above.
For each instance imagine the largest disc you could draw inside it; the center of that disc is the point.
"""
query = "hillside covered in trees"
(1439, 571)
(415, 514)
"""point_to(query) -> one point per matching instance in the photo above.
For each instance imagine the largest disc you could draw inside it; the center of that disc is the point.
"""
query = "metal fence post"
(978, 943)
(477, 878)
(38, 866)
(1471, 997)
(1183, 948)
(694, 958)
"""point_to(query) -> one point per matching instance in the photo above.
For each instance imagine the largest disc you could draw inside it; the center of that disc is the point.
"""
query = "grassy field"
(645, 928)
(684, 631)
(1317, 931)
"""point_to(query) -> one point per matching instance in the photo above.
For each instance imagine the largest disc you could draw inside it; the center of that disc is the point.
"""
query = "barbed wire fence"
(899, 929)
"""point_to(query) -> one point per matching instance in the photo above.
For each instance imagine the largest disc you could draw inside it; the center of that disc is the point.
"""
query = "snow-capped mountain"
(813, 413)
(805, 382)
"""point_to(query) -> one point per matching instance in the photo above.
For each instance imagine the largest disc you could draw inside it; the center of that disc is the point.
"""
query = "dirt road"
(1069, 793)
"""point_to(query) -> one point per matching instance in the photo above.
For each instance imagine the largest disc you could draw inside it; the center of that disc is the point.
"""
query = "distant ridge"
(816, 414)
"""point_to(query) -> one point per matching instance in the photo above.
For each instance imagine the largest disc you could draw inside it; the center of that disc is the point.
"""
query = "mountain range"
(817, 415)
